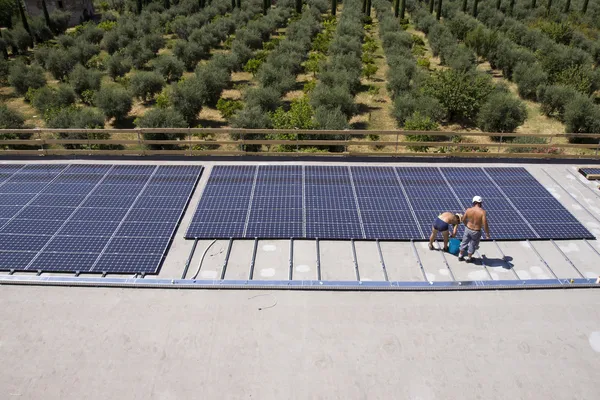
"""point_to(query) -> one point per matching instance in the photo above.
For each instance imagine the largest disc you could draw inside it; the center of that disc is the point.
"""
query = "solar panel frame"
(377, 195)
(52, 216)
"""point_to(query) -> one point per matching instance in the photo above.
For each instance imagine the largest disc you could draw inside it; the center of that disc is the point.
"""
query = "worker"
(475, 218)
(442, 224)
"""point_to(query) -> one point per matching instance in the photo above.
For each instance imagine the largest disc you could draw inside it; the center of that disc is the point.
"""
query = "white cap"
(477, 199)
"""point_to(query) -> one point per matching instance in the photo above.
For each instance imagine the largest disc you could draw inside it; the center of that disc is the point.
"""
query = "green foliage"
(187, 97)
(265, 98)
(582, 116)
(214, 80)
(7, 11)
(75, 117)
(153, 42)
(553, 100)
(4, 70)
(420, 122)
(580, 78)
(406, 104)
(145, 84)
(118, 65)
(228, 107)
(309, 86)
(502, 112)
(169, 67)
(60, 63)
(461, 94)
(251, 117)
(334, 98)
(314, 62)
(114, 101)
(60, 21)
(560, 32)
(10, 119)
(189, 53)
(299, 116)
(46, 98)
(253, 65)
(163, 100)
(423, 62)
(529, 77)
(22, 77)
(330, 118)
(162, 118)
(535, 141)
(83, 79)
(369, 70)
(107, 25)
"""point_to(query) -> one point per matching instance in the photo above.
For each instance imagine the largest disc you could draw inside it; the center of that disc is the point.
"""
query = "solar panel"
(340, 202)
(91, 218)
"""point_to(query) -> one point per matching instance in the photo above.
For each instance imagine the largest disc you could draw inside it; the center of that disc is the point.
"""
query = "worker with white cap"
(474, 219)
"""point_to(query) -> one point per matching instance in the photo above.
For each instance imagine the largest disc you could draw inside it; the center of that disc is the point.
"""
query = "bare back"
(475, 218)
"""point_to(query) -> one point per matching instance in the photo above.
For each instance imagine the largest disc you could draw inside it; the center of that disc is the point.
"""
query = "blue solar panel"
(63, 262)
(153, 245)
(76, 244)
(31, 227)
(99, 214)
(23, 242)
(352, 202)
(17, 260)
(9, 211)
(67, 217)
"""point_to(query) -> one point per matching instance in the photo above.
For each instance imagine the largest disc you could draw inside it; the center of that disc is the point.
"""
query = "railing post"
(297, 144)
(88, 139)
(548, 148)
(141, 144)
(597, 147)
(397, 136)
(39, 134)
(190, 147)
(500, 144)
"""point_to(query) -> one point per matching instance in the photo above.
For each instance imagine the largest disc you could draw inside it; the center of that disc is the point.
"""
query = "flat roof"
(276, 260)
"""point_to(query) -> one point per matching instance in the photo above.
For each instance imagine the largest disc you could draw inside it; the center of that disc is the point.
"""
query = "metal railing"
(237, 142)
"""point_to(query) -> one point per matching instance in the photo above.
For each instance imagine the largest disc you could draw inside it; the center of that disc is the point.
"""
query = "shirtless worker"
(475, 218)
(442, 224)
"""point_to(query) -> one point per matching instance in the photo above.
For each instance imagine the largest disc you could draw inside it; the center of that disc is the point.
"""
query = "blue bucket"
(454, 246)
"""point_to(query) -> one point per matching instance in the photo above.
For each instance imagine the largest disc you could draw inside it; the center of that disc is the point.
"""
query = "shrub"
(502, 112)
(253, 65)
(299, 116)
(10, 119)
(169, 67)
(582, 116)
(406, 104)
(83, 51)
(162, 118)
(229, 107)
(75, 117)
(251, 117)
(553, 100)
(66, 41)
(328, 118)
(4, 70)
(21, 39)
(146, 84)
(23, 77)
(92, 33)
(265, 98)
(138, 54)
(529, 77)
(528, 140)
(83, 79)
(114, 101)
(337, 97)
(581, 78)
(60, 63)
(47, 98)
(419, 122)
(214, 80)
(189, 53)
(153, 42)
(369, 70)
(187, 97)
(40, 30)
(397, 82)
(60, 21)
(118, 65)
(461, 94)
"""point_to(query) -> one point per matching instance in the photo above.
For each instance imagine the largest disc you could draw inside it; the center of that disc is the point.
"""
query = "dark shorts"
(440, 225)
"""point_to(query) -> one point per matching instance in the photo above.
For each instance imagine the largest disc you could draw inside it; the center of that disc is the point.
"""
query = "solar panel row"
(90, 218)
(399, 203)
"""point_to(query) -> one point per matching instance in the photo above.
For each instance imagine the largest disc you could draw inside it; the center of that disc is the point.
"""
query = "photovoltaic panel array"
(590, 173)
(387, 203)
(91, 218)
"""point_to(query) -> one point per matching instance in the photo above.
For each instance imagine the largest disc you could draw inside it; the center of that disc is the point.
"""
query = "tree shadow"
(209, 123)
(125, 123)
(361, 125)
(365, 108)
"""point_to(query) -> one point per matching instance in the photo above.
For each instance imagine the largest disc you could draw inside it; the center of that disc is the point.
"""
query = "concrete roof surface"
(82, 343)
